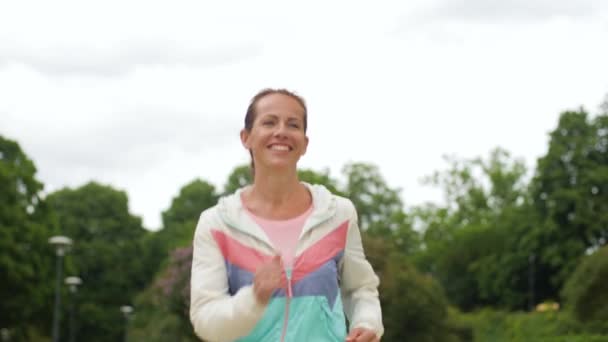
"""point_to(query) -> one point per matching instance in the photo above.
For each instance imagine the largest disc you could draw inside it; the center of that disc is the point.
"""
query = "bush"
(498, 326)
(586, 291)
(162, 310)
(414, 306)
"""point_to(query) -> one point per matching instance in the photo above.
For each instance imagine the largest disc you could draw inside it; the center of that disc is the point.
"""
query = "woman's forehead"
(280, 105)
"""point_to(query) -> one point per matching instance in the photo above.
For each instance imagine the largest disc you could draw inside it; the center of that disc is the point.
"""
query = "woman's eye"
(267, 123)
(294, 125)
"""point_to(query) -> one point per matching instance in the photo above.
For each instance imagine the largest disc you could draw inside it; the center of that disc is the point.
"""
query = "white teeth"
(279, 147)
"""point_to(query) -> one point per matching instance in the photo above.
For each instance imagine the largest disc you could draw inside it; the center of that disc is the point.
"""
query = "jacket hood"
(233, 214)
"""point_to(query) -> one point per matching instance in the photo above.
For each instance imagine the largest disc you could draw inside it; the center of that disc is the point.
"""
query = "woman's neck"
(274, 189)
(277, 195)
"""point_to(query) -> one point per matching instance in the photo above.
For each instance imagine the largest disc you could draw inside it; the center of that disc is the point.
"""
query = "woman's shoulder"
(208, 216)
(227, 205)
(325, 196)
(209, 212)
(343, 202)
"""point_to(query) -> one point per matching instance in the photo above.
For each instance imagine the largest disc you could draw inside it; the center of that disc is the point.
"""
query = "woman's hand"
(362, 335)
(267, 279)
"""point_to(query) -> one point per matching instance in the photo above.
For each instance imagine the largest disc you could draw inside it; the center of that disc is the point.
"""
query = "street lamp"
(73, 283)
(531, 273)
(61, 243)
(5, 334)
(126, 310)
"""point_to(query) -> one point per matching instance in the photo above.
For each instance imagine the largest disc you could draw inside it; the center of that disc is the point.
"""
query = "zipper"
(288, 274)
(287, 302)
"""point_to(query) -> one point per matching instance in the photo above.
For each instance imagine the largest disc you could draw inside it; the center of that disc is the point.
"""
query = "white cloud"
(514, 10)
(123, 57)
(114, 38)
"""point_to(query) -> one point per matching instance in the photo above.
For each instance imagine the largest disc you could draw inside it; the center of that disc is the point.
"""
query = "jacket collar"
(233, 213)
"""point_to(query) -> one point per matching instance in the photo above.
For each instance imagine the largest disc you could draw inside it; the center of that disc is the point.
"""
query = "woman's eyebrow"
(276, 116)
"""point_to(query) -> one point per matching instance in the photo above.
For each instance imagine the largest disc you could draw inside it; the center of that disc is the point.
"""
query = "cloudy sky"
(146, 96)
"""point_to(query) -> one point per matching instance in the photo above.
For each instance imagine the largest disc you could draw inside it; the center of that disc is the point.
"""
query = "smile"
(277, 147)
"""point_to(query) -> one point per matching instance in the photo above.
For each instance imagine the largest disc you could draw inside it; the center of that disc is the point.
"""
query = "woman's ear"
(305, 146)
(244, 138)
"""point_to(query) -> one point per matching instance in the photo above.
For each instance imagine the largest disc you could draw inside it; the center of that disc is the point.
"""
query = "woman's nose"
(280, 130)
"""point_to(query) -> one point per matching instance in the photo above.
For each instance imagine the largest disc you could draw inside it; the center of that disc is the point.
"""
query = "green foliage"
(379, 207)
(370, 194)
(504, 272)
(499, 326)
(106, 254)
(26, 259)
(475, 244)
(163, 307)
(414, 306)
(570, 192)
(238, 178)
(193, 198)
(179, 221)
(321, 178)
(586, 291)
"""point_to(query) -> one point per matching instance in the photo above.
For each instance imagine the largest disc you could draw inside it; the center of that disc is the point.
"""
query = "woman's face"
(277, 138)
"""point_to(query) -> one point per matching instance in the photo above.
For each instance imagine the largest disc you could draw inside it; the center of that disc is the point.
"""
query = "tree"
(475, 244)
(321, 178)
(193, 198)
(179, 221)
(379, 207)
(26, 259)
(238, 178)
(570, 193)
(370, 194)
(107, 255)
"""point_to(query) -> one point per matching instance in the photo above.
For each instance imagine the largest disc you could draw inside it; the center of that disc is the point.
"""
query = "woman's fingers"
(362, 335)
(267, 279)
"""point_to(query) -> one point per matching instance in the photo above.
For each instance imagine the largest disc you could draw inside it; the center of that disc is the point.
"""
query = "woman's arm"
(359, 283)
(214, 313)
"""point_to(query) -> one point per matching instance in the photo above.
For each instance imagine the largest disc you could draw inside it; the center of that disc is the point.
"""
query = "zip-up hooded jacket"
(330, 276)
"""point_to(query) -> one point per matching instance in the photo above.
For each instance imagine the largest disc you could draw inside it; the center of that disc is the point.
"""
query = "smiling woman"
(281, 260)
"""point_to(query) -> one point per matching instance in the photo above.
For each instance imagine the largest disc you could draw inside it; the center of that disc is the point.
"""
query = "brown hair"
(251, 110)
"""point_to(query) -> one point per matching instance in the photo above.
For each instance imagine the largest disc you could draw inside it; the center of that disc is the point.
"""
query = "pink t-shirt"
(283, 234)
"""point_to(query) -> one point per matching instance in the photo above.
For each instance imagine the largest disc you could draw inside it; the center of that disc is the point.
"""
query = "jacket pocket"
(333, 318)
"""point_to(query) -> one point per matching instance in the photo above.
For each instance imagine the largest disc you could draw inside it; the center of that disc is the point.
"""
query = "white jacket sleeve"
(216, 315)
(360, 284)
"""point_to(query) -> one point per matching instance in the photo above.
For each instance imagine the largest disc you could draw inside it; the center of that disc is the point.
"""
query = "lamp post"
(126, 310)
(73, 283)
(531, 285)
(5, 334)
(61, 243)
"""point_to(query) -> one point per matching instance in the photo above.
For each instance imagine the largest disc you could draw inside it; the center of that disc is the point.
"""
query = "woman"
(281, 260)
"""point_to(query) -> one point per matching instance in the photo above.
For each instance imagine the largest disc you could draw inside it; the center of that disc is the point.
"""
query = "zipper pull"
(288, 277)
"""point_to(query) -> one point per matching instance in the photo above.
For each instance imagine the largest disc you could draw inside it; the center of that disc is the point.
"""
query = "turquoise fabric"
(270, 326)
(310, 319)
